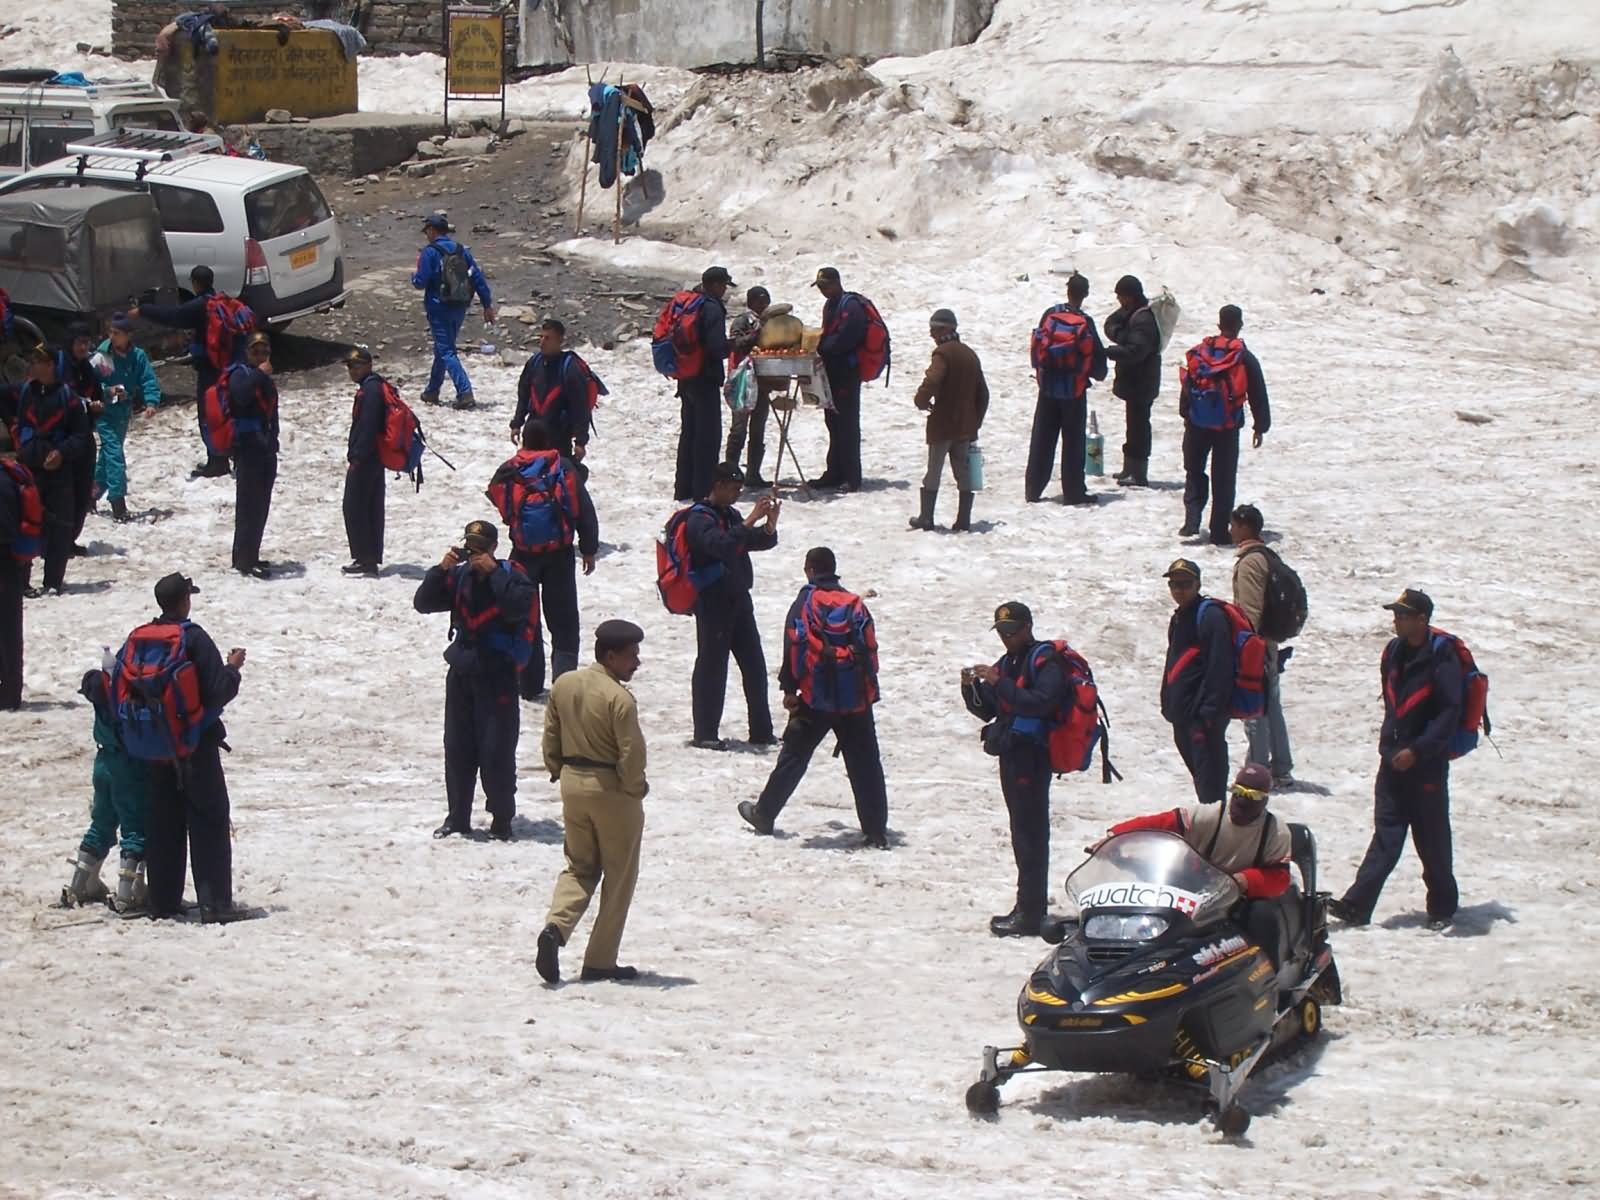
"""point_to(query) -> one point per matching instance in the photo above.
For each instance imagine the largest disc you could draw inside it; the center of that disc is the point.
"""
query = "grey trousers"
(1268, 734)
(959, 455)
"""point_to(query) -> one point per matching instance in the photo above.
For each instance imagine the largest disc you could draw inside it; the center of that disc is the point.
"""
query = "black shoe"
(1189, 530)
(448, 828)
(754, 819)
(1440, 924)
(874, 841)
(754, 482)
(1087, 499)
(548, 959)
(709, 744)
(1343, 911)
(256, 572)
(500, 830)
(466, 400)
(119, 511)
(79, 551)
(429, 397)
(1221, 539)
(596, 974)
(763, 739)
(1014, 924)
(34, 593)
(206, 471)
(364, 570)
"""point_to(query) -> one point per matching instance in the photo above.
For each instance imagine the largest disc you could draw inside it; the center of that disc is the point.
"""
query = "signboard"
(474, 56)
(306, 73)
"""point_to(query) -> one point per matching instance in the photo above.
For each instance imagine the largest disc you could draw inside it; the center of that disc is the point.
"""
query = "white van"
(263, 228)
(38, 118)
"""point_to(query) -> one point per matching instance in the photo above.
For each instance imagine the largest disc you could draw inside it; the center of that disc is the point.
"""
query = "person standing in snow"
(700, 397)
(51, 428)
(1422, 689)
(1212, 417)
(955, 396)
(191, 314)
(1016, 696)
(1197, 682)
(554, 390)
(17, 548)
(365, 480)
(743, 336)
(1136, 349)
(844, 330)
(1252, 570)
(131, 388)
(253, 403)
(448, 278)
(118, 804)
(720, 545)
(78, 369)
(594, 748)
(1062, 412)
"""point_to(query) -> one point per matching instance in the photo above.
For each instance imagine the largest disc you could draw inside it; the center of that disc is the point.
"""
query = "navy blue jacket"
(1136, 349)
(1064, 385)
(839, 345)
(189, 314)
(367, 419)
(1421, 699)
(79, 374)
(10, 514)
(1197, 683)
(72, 434)
(1018, 709)
(253, 401)
(719, 535)
(713, 323)
(510, 591)
(568, 413)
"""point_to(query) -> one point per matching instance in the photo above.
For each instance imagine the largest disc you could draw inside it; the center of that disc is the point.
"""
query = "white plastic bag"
(740, 389)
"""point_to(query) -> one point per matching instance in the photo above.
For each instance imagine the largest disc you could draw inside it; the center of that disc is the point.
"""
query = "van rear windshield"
(147, 118)
(284, 207)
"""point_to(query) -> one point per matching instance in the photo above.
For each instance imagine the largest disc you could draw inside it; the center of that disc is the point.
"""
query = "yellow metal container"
(307, 74)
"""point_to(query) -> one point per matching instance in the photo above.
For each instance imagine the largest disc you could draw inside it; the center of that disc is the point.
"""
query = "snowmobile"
(1168, 971)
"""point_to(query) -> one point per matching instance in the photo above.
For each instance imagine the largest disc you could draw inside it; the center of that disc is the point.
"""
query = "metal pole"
(622, 117)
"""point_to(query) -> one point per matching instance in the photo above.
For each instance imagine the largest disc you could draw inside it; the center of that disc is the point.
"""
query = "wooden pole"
(583, 187)
(622, 117)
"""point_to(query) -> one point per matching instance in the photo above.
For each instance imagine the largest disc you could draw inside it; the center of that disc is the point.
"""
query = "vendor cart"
(805, 384)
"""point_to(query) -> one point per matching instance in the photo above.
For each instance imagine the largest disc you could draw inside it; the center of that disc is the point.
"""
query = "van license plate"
(303, 257)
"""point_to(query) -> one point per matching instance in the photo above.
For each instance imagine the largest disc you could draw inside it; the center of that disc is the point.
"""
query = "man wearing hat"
(1135, 347)
(448, 277)
(955, 396)
(844, 329)
(720, 545)
(1212, 418)
(1062, 411)
(554, 388)
(253, 405)
(364, 476)
(17, 549)
(743, 337)
(1197, 683)
(1017, 696)
(132, 387)
(187, 801)
(192, 315)
(1422, 693)
(52, 435)
(494, 617)
(77, 368)
(700, 397)
(594, 748)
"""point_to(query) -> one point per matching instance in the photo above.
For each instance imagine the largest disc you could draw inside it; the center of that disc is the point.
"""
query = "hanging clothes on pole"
(612, 116)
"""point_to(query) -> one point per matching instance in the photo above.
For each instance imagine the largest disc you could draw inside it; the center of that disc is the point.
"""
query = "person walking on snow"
(448, 278)
(555, 390)
(1212, 409)
(955, 396)
(1136, 349)
(132, 388)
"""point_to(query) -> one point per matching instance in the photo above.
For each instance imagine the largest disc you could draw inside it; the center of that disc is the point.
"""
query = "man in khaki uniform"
(593, 745)
(955, 397)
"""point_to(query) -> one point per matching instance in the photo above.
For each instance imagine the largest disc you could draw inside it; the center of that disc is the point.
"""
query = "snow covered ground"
(814, 1014)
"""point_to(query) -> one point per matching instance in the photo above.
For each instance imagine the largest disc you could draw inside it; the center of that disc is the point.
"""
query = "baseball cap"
(826, 274)
(1411, 602)
(121, 323)
(173, 587)
(727, 473)
(480, 535)
(614, 634)
(716, 275)
(1013, 614)
(358, 354)
(1182, 568)
(258, 339)
(436, 221)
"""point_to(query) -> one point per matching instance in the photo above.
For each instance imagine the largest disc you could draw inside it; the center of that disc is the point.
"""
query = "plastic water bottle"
(975, 467)
(1094, 449)
(487, 345)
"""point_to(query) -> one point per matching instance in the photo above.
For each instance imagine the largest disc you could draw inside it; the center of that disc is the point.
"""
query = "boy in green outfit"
(131, 385)
(118, 801)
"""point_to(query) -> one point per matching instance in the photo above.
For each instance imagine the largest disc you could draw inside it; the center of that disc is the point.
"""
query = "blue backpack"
(833, 651)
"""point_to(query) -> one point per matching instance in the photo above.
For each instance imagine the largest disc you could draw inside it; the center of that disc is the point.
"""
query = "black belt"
(588, 762)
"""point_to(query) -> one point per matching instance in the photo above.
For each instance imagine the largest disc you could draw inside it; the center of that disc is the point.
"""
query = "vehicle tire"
(1233, 1121)
(1310, 1016)
(983, 1097)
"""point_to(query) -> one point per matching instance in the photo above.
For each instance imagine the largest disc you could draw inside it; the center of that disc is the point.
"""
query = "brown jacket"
(1250, 571)
(953, 393)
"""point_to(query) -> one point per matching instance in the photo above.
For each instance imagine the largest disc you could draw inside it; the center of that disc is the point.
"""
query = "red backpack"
(228, 321)
(29, 542)
(1063, 343)
(1214, 383)
(401, 443)
(1474, 692)
(1249, 697)
(675, 343)
(1081, 723)
(537, 498)
(221, 424)
(833, 652)
(155, 694)
(872, 356)
(679, 583)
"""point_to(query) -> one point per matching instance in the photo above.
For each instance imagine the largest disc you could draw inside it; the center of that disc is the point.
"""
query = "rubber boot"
(924, 519)
(86, 886)
(1126, 473)
(1137, 477)
(131, 891)
(119, 509)
(963, 521)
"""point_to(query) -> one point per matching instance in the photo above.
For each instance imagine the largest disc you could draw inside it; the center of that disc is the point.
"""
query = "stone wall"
(390, 26)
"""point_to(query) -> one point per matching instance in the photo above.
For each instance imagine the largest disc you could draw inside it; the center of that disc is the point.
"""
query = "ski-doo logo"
(1218, 951)
(1139, 895)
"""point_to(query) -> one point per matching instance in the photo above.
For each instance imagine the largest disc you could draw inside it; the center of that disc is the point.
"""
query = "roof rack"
(94, 88)
(149, 145)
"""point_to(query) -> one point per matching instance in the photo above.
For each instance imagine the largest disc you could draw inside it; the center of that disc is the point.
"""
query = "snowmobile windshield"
(1151, 871)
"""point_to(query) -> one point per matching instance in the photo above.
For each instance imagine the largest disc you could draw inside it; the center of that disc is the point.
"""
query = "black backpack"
(1283, 615)
(455, 285)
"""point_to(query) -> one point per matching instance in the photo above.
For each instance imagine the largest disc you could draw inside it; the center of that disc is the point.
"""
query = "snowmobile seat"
(1276, 924)
(1303, 852)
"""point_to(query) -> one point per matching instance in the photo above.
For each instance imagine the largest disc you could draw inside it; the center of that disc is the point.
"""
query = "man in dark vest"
(365, 480)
